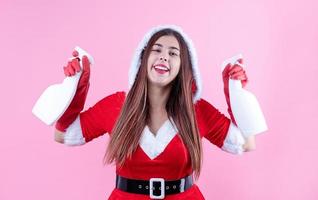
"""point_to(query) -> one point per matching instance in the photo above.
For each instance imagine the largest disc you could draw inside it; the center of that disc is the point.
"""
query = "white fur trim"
(154, 145)
(74, 135)
(135, 64)
(234, 140)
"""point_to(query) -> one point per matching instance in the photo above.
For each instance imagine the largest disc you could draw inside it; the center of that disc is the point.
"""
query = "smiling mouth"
(161, 69)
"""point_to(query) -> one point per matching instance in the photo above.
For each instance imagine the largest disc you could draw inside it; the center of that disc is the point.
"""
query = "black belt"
(142, 186)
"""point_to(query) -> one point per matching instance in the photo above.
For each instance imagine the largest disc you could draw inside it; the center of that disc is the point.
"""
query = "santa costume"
(160, 168)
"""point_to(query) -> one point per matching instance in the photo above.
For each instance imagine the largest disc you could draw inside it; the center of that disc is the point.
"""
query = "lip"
(162, 65)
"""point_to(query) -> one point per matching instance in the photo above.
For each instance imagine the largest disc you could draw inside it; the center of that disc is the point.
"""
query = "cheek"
(150, 61)
(177, 64)
(176, 69)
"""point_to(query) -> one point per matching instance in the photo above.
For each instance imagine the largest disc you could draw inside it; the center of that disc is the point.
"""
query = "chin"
(160, 83)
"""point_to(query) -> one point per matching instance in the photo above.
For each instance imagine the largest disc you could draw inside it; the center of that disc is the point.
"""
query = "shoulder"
(116, 98)
(116, 95)
(204, 113)
(203, 106)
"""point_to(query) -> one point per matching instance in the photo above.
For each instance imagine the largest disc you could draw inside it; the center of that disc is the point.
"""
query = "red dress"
(170, 160)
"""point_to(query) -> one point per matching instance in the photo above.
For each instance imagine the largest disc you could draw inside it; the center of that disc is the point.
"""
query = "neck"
(158, 97)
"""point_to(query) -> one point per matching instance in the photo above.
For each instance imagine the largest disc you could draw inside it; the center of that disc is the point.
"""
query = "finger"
(75, 65)
(66, 73)
(240, 73)
(70, 69)
(237, 71)
(85, 64)
(240, 60)
(70, 72)
(237, 65)
(228, 66)
(234, 69)
(67, 70)
(226, 69)
(244, 82)
(239, 77)
(75, 53)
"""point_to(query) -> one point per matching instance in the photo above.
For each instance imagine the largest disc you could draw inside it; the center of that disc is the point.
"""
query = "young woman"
(156, 128)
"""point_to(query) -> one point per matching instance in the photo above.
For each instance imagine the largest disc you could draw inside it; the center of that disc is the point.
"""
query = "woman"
(156, 128)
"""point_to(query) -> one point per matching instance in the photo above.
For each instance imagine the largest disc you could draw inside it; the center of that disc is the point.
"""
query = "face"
(164, 61)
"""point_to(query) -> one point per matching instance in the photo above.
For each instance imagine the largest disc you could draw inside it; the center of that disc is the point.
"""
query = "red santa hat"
(136, 61)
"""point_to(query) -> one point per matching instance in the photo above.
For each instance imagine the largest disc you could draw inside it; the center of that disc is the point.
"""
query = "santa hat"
(193, 57)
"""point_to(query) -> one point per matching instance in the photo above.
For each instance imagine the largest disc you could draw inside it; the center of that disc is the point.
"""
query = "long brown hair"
(133, 117)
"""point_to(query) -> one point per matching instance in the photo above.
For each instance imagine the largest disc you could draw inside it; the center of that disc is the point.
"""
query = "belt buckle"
(162, 188)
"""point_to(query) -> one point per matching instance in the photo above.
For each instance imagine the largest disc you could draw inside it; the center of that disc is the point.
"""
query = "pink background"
(279, 41)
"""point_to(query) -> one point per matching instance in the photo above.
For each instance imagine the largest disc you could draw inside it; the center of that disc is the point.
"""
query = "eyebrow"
(171, 47)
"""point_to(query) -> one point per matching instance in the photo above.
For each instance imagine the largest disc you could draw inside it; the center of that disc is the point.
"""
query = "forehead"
(168, 41)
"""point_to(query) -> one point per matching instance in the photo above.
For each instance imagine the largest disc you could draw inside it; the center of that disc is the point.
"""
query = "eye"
(173, 54)
(156, 50)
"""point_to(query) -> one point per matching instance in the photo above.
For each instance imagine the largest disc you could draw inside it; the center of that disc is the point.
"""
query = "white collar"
(154, 145)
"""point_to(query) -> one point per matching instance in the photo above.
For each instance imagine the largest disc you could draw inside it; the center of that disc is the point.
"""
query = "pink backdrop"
(277, 38)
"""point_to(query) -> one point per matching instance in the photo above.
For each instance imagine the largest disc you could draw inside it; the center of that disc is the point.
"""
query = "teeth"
(160, 67)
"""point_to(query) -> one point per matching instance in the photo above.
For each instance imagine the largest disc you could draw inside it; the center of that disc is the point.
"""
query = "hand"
(235, 72)
(73, 67)
(77, 104)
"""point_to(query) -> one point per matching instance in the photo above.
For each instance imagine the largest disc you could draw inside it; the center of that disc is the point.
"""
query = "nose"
(162, 58)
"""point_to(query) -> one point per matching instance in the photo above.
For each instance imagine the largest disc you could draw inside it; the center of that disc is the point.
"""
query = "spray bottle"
(245, 107)
(56, 98)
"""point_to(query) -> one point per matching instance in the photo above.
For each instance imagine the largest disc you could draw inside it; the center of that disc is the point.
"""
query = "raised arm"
(93, 122)
(250, 143)
(59, 136)
(77, 104)
(236, 72)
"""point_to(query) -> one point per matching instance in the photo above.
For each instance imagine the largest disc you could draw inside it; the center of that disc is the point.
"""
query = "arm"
(75, 127)
(76, 106)
(78, 101)
(220, 130)
(59, 136)
(250, 143)
(74, 134)
(236, 72)
(93, 122)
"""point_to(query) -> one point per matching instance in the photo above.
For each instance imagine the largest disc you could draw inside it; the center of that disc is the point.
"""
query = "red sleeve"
(212, 124)
(101, 118)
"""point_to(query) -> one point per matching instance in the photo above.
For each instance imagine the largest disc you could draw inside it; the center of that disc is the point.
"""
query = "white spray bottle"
(56, 98)
(245, 107)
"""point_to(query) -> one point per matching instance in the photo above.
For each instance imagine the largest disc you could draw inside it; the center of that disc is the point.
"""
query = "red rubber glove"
(235, 72)
(77, 104)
